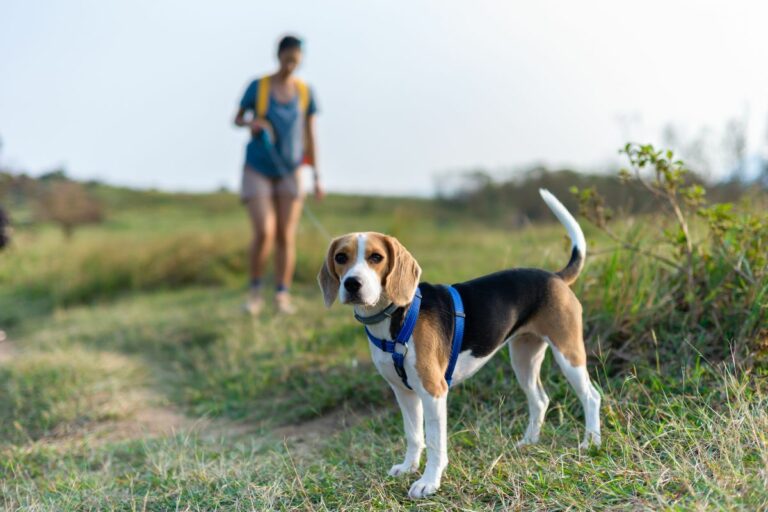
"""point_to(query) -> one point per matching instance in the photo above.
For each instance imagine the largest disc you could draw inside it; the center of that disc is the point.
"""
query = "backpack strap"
(302, 89)
(262, 98)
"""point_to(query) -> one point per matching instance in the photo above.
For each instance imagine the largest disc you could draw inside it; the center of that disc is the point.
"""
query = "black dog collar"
(378, 317)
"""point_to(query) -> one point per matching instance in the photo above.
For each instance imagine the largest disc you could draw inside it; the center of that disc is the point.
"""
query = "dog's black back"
(496, 306)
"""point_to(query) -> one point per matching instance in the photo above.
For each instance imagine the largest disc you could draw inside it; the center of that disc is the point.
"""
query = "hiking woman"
(279, 110)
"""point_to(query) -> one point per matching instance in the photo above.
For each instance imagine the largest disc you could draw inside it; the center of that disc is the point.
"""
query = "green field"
(131, 380)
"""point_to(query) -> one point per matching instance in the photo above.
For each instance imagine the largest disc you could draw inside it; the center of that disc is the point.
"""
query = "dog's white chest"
(385, 365)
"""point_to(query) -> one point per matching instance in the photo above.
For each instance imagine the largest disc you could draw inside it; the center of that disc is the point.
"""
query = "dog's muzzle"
(352, 285)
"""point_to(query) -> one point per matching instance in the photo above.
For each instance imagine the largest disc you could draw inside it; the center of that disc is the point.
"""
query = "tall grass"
(710, 262)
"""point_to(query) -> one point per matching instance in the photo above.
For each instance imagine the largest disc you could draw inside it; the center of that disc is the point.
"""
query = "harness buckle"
(400, 370)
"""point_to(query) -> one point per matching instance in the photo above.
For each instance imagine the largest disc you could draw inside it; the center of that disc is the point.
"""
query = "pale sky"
(142, 92)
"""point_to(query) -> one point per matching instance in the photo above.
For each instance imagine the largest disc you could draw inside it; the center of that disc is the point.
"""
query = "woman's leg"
(261, 211)
(288, 208)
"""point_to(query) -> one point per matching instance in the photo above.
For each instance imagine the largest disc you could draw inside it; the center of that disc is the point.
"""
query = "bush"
(706, 272)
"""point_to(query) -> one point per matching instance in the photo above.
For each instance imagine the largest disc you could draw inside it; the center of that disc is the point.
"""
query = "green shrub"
(697, 284)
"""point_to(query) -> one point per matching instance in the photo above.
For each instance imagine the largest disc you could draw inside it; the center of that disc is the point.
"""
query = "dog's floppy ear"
(404, 272)
(327, 279)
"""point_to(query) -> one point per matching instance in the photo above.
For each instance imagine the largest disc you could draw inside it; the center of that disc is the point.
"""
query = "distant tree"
(17, 189)
(68, 204)
(54, 175)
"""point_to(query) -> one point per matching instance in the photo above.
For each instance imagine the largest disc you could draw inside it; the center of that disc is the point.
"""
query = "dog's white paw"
(527, 441)
(422, 488)
(402, 469)
(590, 439)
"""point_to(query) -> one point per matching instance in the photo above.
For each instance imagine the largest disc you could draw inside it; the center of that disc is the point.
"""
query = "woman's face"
(289, 60)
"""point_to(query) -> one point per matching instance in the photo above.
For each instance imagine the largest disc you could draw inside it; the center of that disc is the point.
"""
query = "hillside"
(131, 379)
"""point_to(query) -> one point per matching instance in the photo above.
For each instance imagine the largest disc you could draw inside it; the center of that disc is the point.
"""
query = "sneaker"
(284, 304)
(254, 303)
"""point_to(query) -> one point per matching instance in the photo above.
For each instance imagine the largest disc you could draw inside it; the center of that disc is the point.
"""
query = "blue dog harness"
(409, 324)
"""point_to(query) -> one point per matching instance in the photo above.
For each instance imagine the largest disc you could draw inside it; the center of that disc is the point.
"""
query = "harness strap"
(409, 324)
(458, 331)
(406, 331)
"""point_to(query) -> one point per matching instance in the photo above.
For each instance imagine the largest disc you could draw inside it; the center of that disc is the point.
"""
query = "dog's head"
(364, 268)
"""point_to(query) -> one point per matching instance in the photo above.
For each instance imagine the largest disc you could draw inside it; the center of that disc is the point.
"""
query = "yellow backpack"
(262, 99)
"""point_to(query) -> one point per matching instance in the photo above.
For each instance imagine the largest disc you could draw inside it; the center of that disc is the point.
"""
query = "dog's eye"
(340, 258)
(375, 258)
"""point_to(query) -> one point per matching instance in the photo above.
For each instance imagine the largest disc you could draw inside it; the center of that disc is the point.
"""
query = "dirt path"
(302, 437)
(160, 421)
(142, 413)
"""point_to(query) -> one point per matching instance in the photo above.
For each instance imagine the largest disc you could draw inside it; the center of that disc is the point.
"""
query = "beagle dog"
(527, 309)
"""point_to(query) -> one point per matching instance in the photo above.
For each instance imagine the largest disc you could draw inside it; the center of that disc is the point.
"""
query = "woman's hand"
(319, 192)
(258, 124)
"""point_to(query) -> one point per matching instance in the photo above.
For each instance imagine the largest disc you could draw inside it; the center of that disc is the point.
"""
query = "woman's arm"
(240, 118)
(311, 154)
(255, 124)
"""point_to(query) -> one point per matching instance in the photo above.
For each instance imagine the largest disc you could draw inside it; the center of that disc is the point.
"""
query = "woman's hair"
(288, 43)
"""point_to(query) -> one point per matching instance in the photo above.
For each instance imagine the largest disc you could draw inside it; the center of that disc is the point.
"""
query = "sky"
(143, 93)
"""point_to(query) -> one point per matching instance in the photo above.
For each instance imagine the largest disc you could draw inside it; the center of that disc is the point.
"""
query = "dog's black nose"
(352, 284)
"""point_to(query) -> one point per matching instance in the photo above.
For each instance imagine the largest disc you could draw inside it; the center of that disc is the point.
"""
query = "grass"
(48, 393)
(141, 315)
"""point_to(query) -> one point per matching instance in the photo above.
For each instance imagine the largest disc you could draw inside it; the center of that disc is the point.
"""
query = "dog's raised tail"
(579, 252)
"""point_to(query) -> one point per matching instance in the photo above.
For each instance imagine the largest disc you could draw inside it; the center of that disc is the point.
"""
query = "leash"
(406, 331)
(316, 222)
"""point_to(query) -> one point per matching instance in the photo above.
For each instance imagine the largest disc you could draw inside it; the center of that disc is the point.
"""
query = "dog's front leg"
(413, 422)
(435, 414)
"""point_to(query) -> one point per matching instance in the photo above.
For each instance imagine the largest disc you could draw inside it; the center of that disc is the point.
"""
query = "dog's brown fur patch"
(403, 272)
(432, 354)
(560, 320)
(327, 277)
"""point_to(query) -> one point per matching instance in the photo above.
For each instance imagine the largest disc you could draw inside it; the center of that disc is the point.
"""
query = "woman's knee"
(263, 234)
(285, 238)
(287, 222)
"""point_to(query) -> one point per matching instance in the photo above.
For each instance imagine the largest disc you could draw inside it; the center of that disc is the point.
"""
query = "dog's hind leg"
(413, 422)
(578, 377)
(527, 353)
